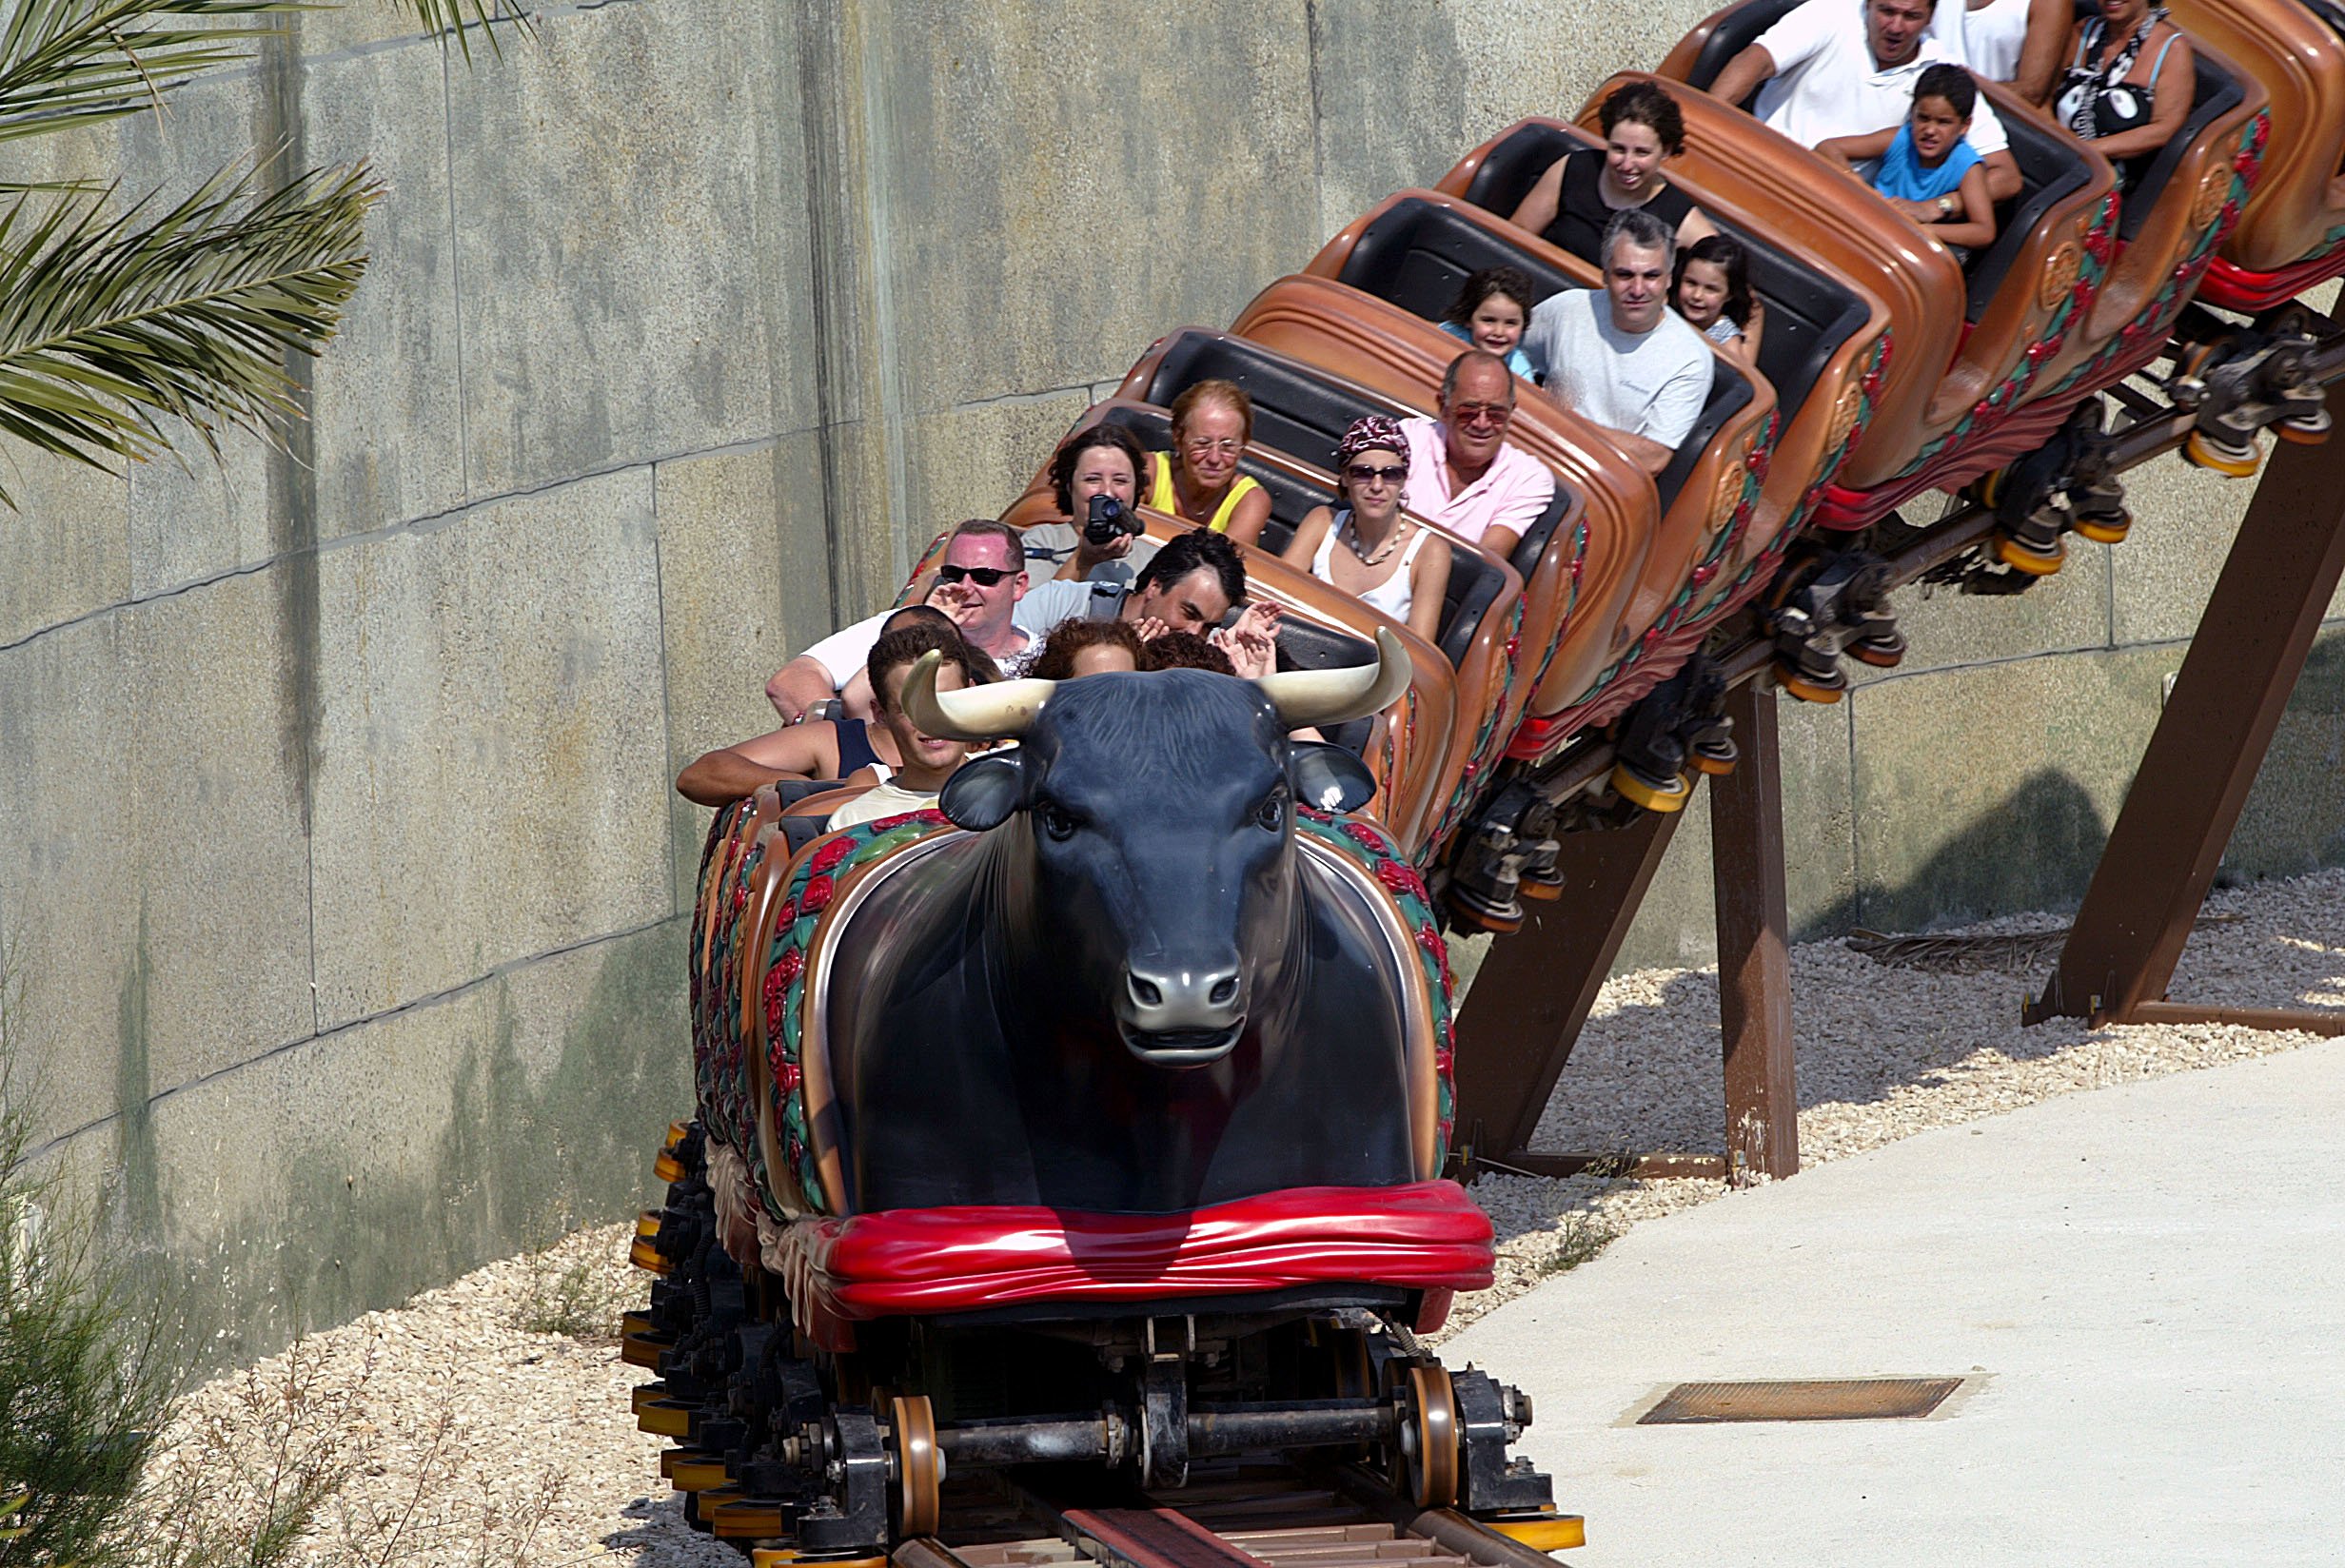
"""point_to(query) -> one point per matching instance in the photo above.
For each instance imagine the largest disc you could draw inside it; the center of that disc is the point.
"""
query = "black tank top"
(855, 746)
(1579, 212)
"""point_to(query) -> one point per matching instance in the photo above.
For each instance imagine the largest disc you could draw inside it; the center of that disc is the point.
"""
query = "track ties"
(1155, 1537)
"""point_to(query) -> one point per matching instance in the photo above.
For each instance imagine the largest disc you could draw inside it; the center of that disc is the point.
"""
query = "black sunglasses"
(987, 576)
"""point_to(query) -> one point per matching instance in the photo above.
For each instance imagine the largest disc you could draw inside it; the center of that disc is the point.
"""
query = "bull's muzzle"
(1182, 1018)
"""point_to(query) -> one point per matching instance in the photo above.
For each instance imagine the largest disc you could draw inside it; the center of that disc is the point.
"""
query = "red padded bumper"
(2250, 293)
(1425, 1236)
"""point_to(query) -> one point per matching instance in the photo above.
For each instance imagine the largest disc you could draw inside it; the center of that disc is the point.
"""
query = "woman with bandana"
(1366, 546)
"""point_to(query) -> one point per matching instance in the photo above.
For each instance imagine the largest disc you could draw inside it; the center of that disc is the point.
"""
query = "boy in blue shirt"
(1926, 168)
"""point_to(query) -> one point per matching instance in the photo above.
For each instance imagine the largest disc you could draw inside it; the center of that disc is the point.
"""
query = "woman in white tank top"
(2014, 41)
(1367, 547)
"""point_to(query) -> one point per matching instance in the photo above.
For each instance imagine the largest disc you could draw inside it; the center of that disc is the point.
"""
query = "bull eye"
(1056, 822)
(1271, 813)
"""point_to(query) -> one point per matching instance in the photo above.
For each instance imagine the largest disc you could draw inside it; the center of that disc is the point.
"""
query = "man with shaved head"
(1463, 473)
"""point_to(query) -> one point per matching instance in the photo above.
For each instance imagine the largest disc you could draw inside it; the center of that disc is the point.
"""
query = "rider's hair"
(987, 528)
(905, 645)
(1063, 465)
(1186, 651)
(1643, 104)
(1510, 282)
(1199, 550)
(1642, 229)
(1952, 83)
(1070, 638)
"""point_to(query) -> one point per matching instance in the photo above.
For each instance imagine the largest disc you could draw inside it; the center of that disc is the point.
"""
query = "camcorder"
(1108, 519)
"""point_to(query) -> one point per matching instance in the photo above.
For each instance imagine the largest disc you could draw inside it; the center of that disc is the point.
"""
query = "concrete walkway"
(2144, 1284)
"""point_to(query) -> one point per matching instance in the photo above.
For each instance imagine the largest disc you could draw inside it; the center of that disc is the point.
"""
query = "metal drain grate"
(1834, 1399)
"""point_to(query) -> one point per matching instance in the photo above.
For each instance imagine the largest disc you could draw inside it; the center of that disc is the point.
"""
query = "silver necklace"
(1351, 528)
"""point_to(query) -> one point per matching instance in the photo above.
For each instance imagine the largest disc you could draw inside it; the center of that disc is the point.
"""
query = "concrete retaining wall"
(340, 882)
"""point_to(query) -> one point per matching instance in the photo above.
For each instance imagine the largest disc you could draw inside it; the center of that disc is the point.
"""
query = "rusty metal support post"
(1519, 1021)
(2227, 701)
(1754, 948)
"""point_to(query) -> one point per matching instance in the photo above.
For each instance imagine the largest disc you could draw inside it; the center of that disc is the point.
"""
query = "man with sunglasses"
(980, 584)
(1463, 473)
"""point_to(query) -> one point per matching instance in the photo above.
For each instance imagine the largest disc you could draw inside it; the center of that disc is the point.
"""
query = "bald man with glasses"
(1463, 473)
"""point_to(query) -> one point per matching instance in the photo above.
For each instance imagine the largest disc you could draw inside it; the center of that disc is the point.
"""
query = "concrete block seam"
(429, 523)
(501, 971)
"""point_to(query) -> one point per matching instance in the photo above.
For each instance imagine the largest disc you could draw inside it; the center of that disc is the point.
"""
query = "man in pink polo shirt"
(1462, 474)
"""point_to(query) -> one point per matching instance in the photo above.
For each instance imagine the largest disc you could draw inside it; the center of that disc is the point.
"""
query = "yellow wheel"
(2020, 559)
(1667, 800)
(642, 1349)
(2238, 463)
(919, 1468)
(1716, 767)
(2106, 530)
(643, 1255)
(1882, 657)
(668, 1167)
(676, 1134)
(1432, 1470)
(1546, 892)
(648, 1393)
(744, 1518)
(664, 1417)
(646, 1227)
(699, 1474)
(2310, 430)
(1808, 691)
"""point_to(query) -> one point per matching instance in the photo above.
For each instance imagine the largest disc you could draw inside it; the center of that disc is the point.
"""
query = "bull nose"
(1166, 999)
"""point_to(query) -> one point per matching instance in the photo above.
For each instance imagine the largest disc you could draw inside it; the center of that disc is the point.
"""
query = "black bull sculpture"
(1130, 989)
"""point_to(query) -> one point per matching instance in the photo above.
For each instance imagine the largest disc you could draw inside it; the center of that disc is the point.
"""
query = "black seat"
(1473, 581)
(2218, 93)
(2051, 166)
(1304, 412)
(1810, 313)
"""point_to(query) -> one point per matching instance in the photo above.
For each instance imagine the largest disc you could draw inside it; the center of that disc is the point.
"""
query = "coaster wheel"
(2035, 563)
(1429, 1472)
(1666, 799)
(919, 1468)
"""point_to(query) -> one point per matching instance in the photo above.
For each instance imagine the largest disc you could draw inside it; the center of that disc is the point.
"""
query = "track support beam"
(1754, 953)
(1535, 988)
(2202, 758)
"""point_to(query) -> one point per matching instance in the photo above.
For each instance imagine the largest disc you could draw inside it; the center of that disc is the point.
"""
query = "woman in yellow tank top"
(1198, 480)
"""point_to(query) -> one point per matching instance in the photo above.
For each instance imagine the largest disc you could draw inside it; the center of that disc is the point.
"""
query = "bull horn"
(976, 713)
(1331, 696)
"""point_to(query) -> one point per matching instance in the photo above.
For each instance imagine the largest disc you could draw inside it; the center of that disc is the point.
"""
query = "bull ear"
(1327, 777)
(982, 792)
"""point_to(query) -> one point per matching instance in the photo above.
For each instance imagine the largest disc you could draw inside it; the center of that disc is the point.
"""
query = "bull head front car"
(1160, 811)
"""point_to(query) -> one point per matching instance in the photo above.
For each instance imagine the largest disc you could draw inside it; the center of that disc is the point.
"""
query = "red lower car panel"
(1425, 1236)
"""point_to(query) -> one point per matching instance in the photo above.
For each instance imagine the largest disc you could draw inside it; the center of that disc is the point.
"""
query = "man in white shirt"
(1620, 357)
(1848, 68)
(980, 584)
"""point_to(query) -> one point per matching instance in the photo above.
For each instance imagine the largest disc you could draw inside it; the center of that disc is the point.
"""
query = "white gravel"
(469, 1441)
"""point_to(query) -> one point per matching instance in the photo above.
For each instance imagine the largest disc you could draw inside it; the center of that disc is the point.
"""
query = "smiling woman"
(1580, 192)
(1198, 480)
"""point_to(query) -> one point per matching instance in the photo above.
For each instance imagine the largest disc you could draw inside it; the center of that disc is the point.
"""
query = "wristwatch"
(1945, 205)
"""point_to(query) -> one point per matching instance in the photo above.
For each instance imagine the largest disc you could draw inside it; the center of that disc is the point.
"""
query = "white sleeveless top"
(1394, 595)
(1992, 38)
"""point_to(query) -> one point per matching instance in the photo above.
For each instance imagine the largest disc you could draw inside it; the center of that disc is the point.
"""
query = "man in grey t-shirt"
(1621, 357)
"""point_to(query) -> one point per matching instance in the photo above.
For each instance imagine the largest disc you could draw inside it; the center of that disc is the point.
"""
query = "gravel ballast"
(470, 1440)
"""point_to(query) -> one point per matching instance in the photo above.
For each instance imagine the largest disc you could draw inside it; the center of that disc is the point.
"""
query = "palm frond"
(116, 327)
(66, 63)
(458, 18)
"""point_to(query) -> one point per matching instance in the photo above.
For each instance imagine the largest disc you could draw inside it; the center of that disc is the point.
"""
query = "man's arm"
(798, 686)
(1643, 451)
(817, 675)
(723, 775)
(1743, 75)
